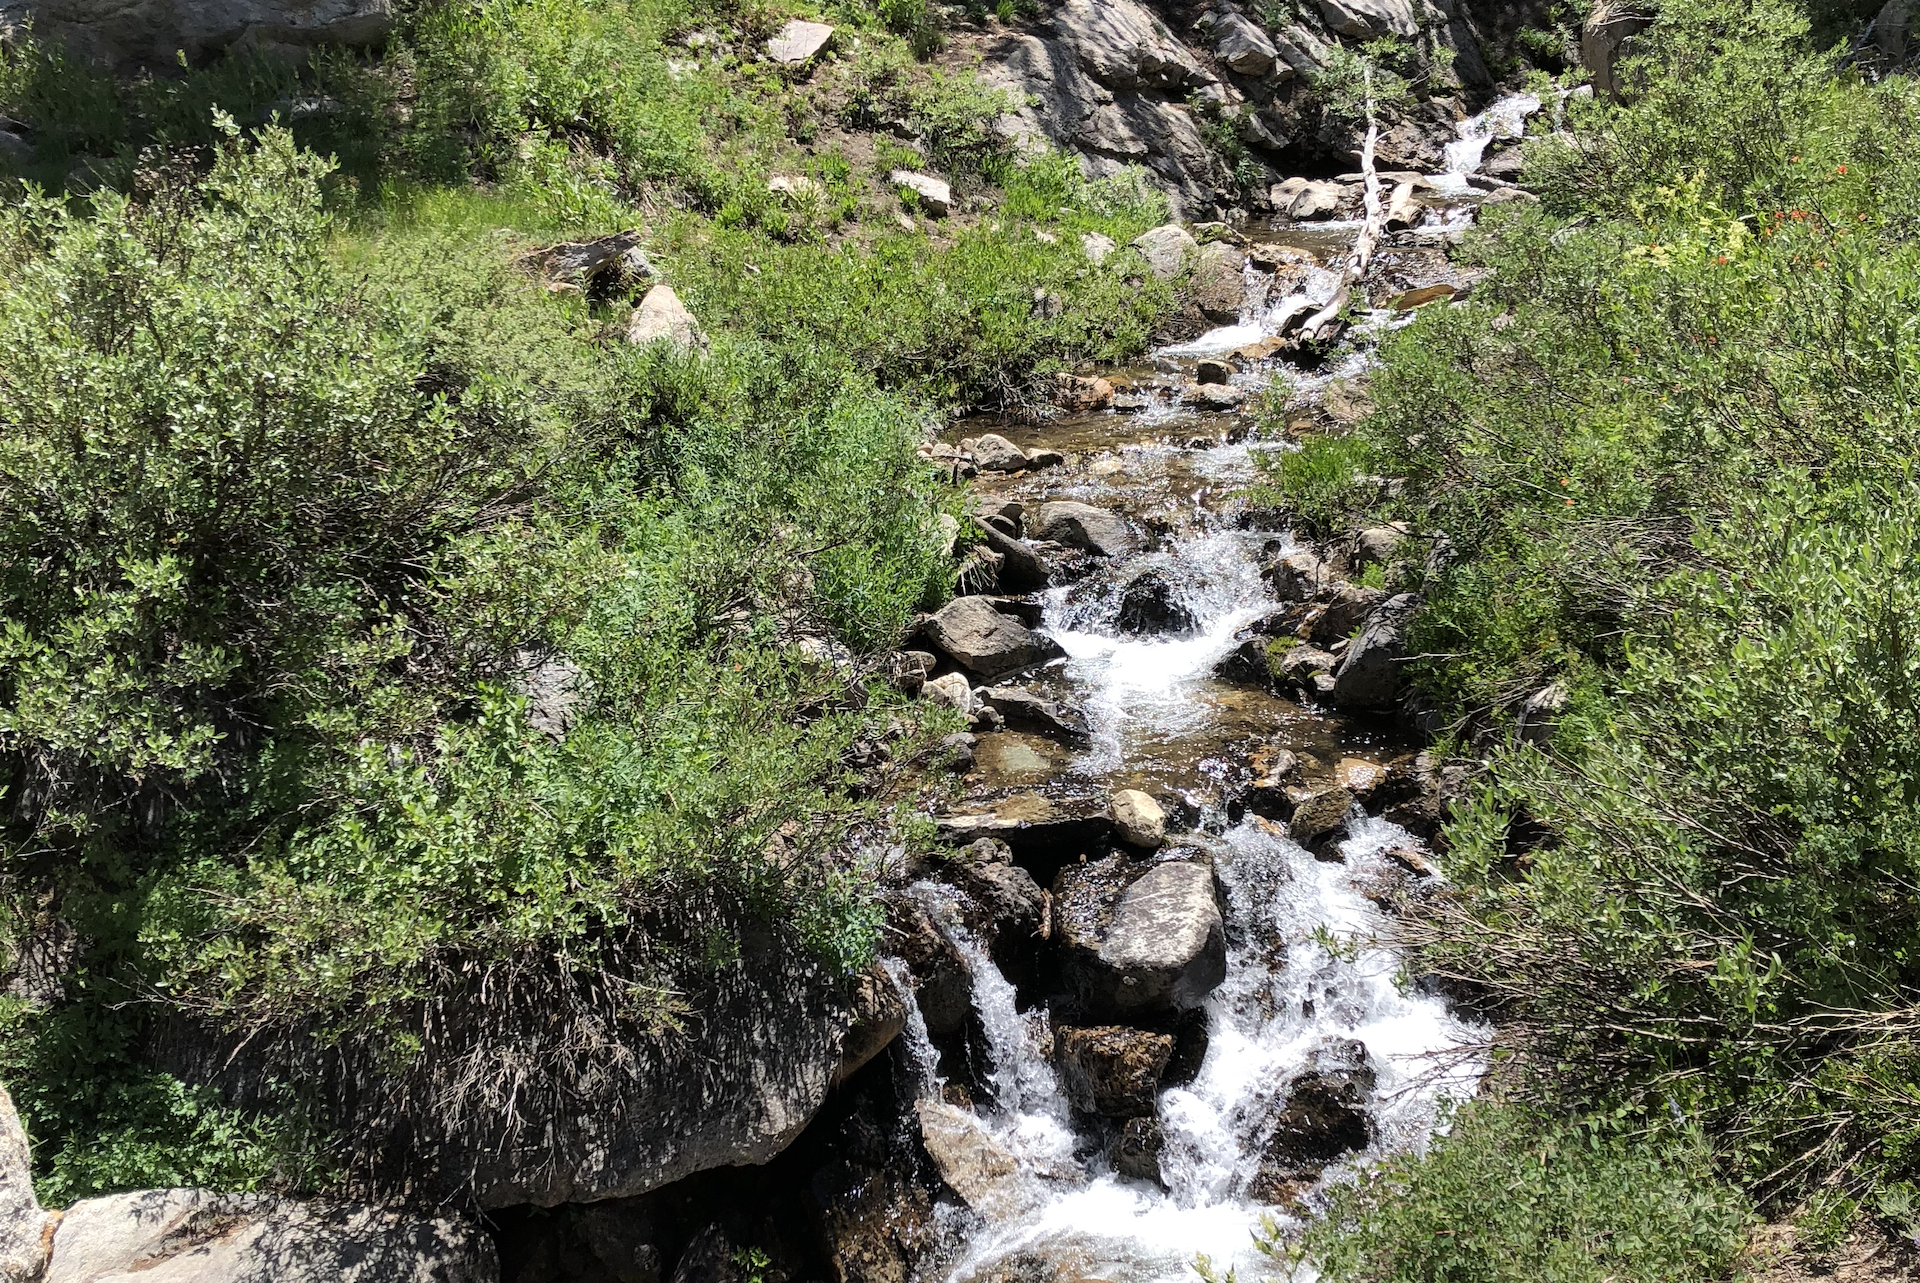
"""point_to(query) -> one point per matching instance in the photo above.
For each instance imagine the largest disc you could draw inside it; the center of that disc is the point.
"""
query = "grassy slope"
(302, 472)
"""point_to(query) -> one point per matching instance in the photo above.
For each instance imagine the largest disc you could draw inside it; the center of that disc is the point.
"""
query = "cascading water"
(1505, 118)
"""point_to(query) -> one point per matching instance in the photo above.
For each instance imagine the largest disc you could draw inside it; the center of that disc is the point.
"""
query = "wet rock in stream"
(1323, 1117)
(1150, 604)
(1021, 707)
(974, 632)
(1160, 946)
(1113, 1070)
(1083, 526)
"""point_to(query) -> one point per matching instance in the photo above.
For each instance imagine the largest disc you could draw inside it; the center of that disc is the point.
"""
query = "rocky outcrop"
(973, 632)
(25, 1230)
(193, 1236)
(153, 33)
(1220, 282)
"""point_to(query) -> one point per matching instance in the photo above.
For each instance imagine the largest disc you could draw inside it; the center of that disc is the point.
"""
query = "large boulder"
(1166, 249)
(1323, 1116)
(1371, 671)
(194, 1236)
(984, 641)
(1220, 282)
(156, 32)
(1150, 605)
(24, 1228)
(1164, 948)
(994, 453)
(1083, 526)
(1111, 1069)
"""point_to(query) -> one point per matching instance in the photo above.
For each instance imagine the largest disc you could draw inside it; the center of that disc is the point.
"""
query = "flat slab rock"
(1165, 948)
(798, 42)
(1027, 820)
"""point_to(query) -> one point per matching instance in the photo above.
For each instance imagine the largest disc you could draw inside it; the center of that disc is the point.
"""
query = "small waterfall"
(1506, 118)
(921, 1052)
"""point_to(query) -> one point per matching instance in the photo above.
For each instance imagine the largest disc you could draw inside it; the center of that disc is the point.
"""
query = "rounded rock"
(1138, 820)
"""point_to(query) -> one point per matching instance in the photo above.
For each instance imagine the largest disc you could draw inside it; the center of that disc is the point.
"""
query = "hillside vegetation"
(319, 514)
(1664, 464)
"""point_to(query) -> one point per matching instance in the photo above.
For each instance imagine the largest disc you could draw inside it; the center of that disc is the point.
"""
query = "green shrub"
(1507, 1196)
(1320, 485)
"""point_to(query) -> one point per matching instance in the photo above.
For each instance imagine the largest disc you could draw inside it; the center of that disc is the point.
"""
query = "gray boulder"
(1323, 1115)
(154, 32)
(1024, 709)
(1021, 569)
(193, 1236)
(1370, 19)
(1166, 249)
(1081, 525)
(984, 641)
(1243, 47)
(1369, 675)
(935, 195)
(1320, 820)
(1220, 282)
(1164, 949)
(1606, 40)
(23, 1226)
(663, 318)
(977, 1167)
(994, 453)
(798, 42)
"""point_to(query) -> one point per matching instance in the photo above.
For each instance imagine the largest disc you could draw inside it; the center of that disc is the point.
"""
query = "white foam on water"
(1506, 118)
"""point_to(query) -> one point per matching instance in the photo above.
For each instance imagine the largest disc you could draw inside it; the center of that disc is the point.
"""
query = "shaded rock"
(661, 317)
(981, 639)
(1039, 458)
(1325, 1114)
(194, 1236)
(1220, 282)
(1370, 19)
(24, 1228)
(994, 453)
(1149, 605)
(982, 1171)
(942, 988)
(1242, 46)
(1270, 791)
(1111, 1069)
(1320, 819)
(1021, 569)
(799, 42)
(1025, 709)
(1135, 1152)
(1299, 665)
(1083, 526)
(932, 194)
(1165, 948)
(1004, 902)
(1166, 249)
(1369, 675)
(1209, 370)
(1138, 820)
(1376, 544)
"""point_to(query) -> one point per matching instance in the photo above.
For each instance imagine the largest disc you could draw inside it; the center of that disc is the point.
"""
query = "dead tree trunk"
(1354, 271)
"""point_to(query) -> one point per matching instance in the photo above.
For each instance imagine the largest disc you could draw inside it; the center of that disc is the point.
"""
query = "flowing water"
(1306, 968)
